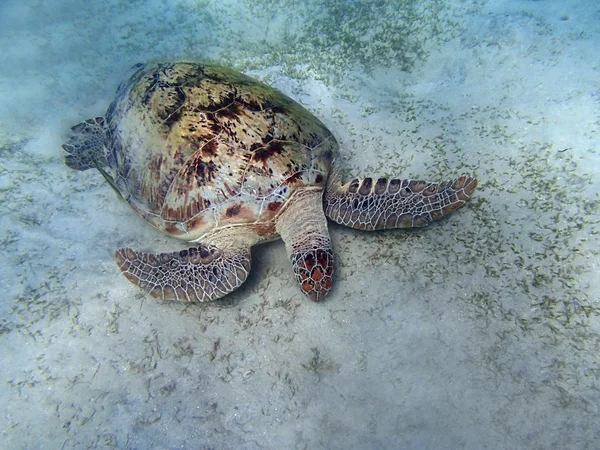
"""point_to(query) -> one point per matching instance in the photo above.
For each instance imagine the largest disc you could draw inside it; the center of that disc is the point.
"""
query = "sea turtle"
(216, 158)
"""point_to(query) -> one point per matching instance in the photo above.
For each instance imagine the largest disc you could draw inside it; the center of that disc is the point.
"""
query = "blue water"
(480, 331)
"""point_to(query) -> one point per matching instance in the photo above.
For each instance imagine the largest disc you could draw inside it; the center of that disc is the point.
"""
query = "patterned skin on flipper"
(199, 274)
(86, 146)
(386, 204)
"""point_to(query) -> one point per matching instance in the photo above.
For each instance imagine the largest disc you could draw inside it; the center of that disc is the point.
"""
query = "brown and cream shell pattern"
(212, 148)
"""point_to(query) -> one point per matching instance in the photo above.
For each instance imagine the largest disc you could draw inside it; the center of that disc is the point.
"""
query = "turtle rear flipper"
(368, 204)
(86, 146)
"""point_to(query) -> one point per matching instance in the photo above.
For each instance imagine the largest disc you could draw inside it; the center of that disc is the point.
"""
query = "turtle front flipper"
(87, 145)
(199, 274)
(303, 227)
(369, 204)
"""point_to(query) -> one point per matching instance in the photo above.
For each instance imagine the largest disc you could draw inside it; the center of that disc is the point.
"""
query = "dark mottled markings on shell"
(187, 137)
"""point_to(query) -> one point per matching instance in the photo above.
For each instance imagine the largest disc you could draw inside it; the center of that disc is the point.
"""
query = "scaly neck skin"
(303, 227)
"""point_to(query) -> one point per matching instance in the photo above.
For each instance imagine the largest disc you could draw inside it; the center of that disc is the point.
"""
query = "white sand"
(481, 331)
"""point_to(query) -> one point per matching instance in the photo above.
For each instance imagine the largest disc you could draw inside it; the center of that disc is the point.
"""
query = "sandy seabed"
(480, 331)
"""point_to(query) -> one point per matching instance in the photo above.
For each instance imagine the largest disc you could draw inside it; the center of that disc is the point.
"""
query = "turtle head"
(314, 269)
(303, 227)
